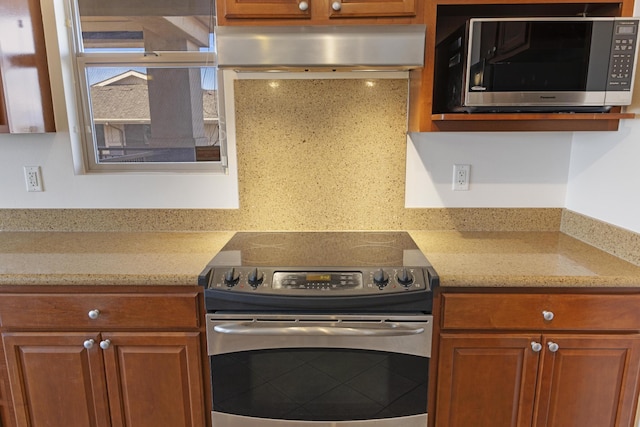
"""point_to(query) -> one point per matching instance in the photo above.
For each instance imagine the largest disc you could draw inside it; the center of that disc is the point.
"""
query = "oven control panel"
(306, 282)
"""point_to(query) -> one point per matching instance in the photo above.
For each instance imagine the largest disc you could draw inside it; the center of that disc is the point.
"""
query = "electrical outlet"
(33, 177)
(461, 177)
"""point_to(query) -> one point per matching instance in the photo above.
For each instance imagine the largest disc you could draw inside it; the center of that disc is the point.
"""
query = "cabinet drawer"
(526, 312)
(115, 311)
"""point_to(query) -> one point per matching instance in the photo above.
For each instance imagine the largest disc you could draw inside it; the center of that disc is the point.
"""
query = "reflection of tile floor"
(303, 384)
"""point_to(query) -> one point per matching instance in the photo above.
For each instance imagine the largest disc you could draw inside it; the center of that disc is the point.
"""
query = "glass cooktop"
(320, 249)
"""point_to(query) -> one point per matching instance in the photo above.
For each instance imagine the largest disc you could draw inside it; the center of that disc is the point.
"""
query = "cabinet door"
(230, 9)
(591, 380)
(155, 379)
(371, 8)
(55, 381)
(28, 106)
(4, 126)
(486, 380)
(6, 407)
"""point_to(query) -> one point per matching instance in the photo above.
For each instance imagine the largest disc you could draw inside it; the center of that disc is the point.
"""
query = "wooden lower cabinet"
(591, 380)
(154, 379)
(486, 380)
(136, 380)
(55, 381)
(103, 356)
(6, 406)
(501, 379)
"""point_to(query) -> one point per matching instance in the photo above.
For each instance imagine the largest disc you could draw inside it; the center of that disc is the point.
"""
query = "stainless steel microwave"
(537, 64)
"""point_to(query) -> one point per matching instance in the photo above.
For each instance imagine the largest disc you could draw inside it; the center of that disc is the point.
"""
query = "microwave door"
(530, 63)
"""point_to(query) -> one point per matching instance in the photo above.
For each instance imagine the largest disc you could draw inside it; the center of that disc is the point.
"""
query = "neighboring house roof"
(125, 99)
(130, 77)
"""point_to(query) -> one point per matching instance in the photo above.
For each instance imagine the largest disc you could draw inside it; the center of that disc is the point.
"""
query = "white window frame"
(84, 60)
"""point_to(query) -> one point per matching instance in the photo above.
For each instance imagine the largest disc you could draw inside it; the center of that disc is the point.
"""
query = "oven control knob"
(231, 278)
(405, 278)
(381, 278)
(255, 278)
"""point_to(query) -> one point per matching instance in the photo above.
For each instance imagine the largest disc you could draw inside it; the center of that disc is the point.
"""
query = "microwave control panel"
(623, 54)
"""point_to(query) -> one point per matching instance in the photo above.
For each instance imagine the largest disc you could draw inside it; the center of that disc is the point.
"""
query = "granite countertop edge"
(547, 282)
(97, 280)
(462, 260)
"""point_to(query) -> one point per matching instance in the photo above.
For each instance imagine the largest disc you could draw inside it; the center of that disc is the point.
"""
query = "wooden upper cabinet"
(275, 9)
(375, 8)
(4, 123)
(27, 105)
(309, 12)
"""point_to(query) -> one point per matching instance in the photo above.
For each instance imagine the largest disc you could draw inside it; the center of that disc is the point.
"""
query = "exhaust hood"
(321, 48)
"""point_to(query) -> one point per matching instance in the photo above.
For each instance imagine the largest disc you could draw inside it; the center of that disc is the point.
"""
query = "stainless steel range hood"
(321, 48)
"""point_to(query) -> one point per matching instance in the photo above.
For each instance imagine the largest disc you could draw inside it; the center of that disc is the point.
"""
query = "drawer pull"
(548, 315)
(88, 344)
(105, 344)
(93, 314)
(553, 347)
(536, 346)
(303, 6)
(336, 6)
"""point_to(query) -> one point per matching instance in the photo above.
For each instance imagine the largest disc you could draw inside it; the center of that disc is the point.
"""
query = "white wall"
(507, 169)
(53, 152)
(63, 189)
(604, 177)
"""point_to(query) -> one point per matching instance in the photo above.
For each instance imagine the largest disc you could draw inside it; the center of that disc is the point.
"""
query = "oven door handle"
(384, 330)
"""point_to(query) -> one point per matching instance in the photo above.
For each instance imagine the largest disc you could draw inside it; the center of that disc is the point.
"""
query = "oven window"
(319, 384)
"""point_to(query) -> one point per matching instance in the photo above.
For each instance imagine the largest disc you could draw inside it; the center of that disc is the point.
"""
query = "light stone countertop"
(522, 259)
(106, 258)
(462, 259)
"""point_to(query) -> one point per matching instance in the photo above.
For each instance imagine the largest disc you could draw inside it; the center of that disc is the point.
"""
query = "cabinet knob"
(536, 346)
(336, 5)
(548, 315)
(105, 344)
(88, 344)
(303, 6)
(93, 314)
(553, 347)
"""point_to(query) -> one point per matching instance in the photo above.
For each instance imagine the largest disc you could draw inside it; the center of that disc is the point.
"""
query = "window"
(149, 85)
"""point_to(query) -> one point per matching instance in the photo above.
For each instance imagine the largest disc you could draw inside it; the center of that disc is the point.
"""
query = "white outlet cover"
(461, 177)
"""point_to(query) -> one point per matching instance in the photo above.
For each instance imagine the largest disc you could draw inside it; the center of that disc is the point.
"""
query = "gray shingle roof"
(128, 99)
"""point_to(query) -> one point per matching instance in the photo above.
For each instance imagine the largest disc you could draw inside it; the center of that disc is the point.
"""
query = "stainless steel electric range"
(319, 329)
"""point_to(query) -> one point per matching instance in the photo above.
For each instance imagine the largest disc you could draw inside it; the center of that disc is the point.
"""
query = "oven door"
(308, 370)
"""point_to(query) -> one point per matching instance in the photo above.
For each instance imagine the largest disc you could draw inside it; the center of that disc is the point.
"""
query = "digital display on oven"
(322, 281)
(318, 277)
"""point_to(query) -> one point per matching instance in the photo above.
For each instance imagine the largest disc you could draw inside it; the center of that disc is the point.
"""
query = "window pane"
(146, 25)
(154, 114)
